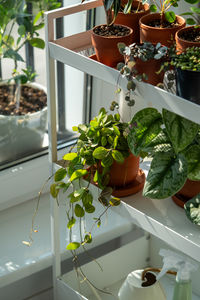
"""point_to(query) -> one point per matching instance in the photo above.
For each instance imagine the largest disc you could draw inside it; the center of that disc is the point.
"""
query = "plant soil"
(31, 100)
(157, 24)
(113, 30)
(192, 35)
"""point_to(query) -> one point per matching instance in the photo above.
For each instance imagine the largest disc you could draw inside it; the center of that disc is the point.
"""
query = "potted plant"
(23, 111)
(130, 14)
(173, 143)
(105, 37)
(187, 37)
(190, 35)
(187, 73)
(161, 27)
(143, 61)
(102, 157)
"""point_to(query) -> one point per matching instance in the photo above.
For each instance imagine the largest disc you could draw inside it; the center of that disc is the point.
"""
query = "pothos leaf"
(78, 174)
(71, 223)
(60, 174)
(73, 246)
(70, 156)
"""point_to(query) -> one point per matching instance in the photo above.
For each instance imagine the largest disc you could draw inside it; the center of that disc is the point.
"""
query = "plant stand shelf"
(161, 218)
(164, 219)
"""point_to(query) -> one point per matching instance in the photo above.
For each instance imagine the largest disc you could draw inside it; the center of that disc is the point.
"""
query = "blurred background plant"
(25, 18)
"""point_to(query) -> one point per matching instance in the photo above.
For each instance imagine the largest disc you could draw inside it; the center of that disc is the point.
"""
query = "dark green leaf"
(79, 211)
(107, 161)
(193, 158)
(166, 176)
(170, 16)
(153, 8)
(37, 42)
(144, 127)
(88, 238)
(13, 54)
(53, 190)
(89, 208)
(117, 155)
(60, 174)
(180, 130)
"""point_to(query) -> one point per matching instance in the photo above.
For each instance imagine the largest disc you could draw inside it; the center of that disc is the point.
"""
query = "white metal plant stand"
(164, 219)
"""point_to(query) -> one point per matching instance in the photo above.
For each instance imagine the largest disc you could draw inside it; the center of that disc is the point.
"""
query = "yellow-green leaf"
(78, 174)
(73, 246)
(70, 156)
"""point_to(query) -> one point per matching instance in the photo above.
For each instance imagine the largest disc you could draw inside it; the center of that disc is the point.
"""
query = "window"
(23, 132)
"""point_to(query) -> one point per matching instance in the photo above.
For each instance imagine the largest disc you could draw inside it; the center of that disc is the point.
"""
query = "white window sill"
(18, 261)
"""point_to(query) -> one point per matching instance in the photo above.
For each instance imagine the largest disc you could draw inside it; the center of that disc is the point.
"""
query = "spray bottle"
(184, 266)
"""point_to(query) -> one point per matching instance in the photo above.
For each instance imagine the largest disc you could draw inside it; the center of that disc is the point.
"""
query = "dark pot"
(187, 85)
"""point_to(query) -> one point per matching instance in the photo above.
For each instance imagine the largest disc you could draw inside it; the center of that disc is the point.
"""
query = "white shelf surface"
(164, 219)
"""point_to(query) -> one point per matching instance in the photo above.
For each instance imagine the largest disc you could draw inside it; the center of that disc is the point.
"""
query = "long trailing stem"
(32, 230)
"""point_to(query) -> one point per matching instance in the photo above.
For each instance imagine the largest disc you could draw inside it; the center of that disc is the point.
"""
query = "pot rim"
(143, 25)
(35, 85)
(113, 37)
(188, 28)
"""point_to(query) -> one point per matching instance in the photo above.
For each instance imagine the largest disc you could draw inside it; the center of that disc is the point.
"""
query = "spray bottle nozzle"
(180, 262)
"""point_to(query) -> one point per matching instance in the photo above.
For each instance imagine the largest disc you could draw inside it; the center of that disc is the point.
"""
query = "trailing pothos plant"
(173, 143)
(99, 144)
(163, 7)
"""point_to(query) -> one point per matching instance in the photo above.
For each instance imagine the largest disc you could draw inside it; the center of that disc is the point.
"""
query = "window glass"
(23, 110)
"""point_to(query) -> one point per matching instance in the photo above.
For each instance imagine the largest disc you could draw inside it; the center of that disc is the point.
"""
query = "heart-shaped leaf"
(170, 16)
(144, 127)
(79, 211)
(78, 174)
(60, 174)
(166, 176)
(73, 246)
(117, 155)
(193, 158)
(100, 153)
(180, 130)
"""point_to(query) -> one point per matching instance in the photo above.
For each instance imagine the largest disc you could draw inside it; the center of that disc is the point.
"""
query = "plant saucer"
(132, 188)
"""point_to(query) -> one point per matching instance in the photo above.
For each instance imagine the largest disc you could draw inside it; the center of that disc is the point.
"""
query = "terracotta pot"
(123, 174)
(106, 47)
(165, 36)
(132, 19)
(150, 68)
(182, 44)
(190, 189)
